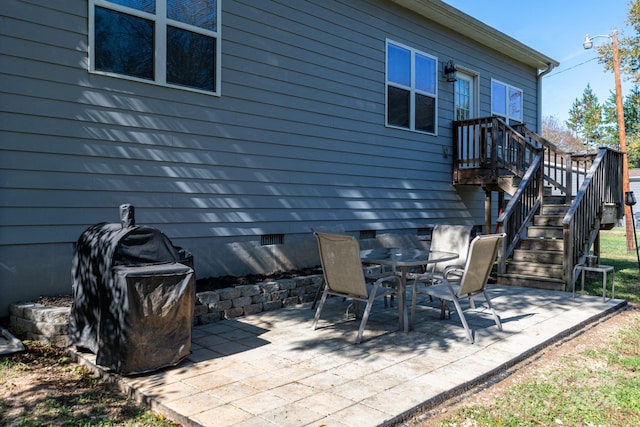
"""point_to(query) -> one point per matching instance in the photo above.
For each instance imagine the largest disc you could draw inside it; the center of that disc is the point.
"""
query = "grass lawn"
(592, 386)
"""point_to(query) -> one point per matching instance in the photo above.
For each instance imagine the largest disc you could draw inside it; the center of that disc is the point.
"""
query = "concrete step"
(531, 282)
(538, 256)
(544, 231)
(542, 244)
(532, 269)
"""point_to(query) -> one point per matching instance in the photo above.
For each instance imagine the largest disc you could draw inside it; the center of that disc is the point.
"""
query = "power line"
(571, 68)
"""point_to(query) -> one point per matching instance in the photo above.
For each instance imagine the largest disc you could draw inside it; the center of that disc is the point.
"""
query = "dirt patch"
(43, 386)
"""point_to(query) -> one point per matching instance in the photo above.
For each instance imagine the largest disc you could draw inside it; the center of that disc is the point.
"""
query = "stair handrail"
(563, 170)
(520, 211)
(557, 163)
(601, 185)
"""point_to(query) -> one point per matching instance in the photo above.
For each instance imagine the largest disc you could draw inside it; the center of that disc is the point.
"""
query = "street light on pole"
(588, 44)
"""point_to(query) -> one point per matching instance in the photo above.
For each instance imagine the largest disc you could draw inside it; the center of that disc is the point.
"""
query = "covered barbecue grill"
(134, 296)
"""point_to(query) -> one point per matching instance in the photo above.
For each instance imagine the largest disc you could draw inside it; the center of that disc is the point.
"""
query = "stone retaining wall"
(51, 324)
(37, 322)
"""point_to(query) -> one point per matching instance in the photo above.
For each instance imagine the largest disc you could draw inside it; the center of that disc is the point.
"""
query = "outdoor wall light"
(450, 71)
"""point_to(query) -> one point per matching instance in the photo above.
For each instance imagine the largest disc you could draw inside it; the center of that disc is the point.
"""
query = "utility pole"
(628, 214)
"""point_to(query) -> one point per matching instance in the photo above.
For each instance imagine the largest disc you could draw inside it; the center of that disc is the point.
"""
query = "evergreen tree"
(585, 118)
(632, 126)
(610, 135)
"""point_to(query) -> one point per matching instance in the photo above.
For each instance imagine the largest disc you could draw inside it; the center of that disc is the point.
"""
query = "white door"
(465, 108)
(465, 96)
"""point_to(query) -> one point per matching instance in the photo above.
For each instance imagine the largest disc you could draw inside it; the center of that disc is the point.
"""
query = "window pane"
(123, 44)
(143, 5)
(398, 107)
(398, 65)
(191, 59)
(425, 74)
(199, 13)
(463, 99)
(515, 104)
(425, 113)
(499, 98)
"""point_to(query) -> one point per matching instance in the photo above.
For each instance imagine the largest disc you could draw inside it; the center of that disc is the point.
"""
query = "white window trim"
(412, 89)
(160, 42)
(508, 87)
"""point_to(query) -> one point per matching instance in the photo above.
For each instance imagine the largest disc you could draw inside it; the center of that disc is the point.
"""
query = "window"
(411, 89)
(168, 42)
(506, 101)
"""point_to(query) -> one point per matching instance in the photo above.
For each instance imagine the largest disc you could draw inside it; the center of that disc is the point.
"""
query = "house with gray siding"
(237, 126)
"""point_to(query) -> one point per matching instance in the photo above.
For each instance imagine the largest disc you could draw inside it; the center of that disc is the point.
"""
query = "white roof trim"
(460, 22)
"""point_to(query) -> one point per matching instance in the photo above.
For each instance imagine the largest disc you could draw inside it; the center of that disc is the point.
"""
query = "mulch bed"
(214, 283)
(205, 284)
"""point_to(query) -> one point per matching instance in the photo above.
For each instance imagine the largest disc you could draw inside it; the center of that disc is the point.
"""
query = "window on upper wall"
(167, 42)
(506, 101)
(411, 89)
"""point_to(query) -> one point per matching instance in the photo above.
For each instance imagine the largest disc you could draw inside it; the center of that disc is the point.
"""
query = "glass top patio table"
(404, 258)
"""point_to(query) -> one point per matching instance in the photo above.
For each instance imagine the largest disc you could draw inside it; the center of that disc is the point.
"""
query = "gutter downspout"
(550, 68)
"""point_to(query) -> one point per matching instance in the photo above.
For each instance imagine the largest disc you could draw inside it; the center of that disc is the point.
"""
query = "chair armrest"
(387, 279)
(453, 272)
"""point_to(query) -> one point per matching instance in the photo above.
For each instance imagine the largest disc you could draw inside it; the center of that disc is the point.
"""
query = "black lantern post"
(630, 200)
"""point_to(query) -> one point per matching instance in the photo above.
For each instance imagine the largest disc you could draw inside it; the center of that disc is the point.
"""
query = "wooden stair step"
(542, 244)
(531, 282)
(538, 256)
(551, 209)
(532, 269)
(549, 220)
(555, 200)
(545, 231)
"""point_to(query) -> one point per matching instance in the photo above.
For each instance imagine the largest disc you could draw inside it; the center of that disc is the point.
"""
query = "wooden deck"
(518, 162)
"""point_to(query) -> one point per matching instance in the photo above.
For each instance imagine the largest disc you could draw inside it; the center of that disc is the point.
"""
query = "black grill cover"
(134, 296)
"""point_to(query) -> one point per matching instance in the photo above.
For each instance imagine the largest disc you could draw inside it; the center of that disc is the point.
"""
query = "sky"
(557, 28)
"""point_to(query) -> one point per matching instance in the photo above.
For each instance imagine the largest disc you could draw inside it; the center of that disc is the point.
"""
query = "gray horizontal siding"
(296, 140)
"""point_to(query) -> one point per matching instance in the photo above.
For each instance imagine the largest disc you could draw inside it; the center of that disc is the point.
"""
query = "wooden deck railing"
(486, 148)
(602, 185)
(491, 146)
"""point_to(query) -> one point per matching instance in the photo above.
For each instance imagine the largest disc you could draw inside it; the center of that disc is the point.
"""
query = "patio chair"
(344, 277)
(369, 277)
(447, 238)
(473, 279)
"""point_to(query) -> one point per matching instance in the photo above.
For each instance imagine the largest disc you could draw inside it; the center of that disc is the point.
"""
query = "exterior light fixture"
(450, 71)
(588, 42)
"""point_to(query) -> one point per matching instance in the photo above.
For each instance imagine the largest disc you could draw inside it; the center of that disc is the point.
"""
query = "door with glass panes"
(465, 108)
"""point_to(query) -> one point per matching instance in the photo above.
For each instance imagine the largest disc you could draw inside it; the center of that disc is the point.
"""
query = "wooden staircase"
(557, 203)
(538, 262)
